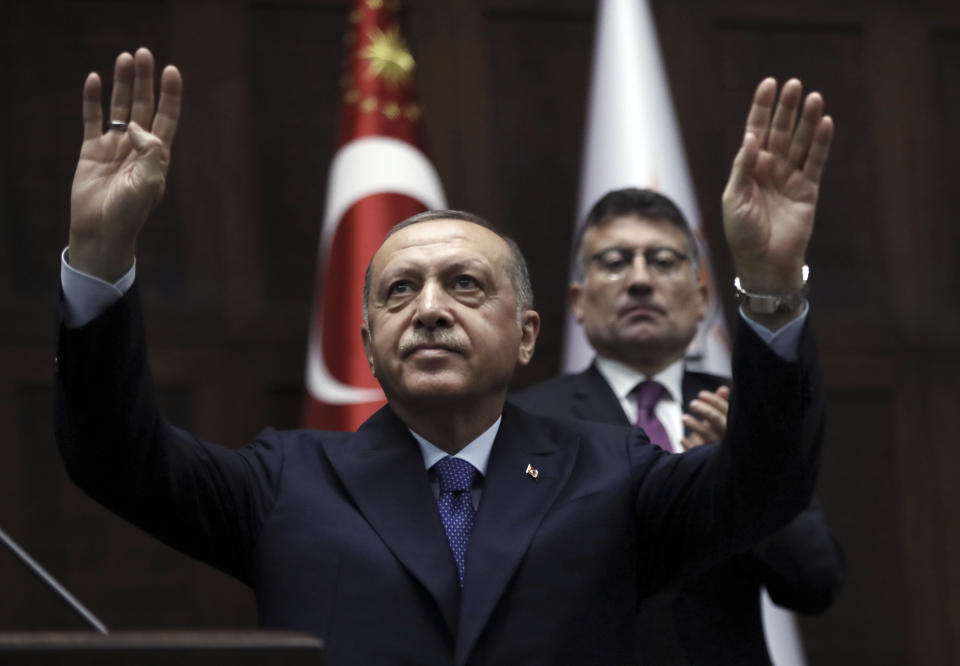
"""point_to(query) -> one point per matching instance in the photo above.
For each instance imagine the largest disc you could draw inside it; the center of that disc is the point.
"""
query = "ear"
(575, 299)
(703, 291)
(368, 347)
(529, 329)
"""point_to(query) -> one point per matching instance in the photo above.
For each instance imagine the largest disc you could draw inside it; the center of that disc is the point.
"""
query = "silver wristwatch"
(772, 303)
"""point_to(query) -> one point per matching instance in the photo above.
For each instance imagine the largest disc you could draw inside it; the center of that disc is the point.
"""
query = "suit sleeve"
(205, 500)
(801, 565)
(712, 502)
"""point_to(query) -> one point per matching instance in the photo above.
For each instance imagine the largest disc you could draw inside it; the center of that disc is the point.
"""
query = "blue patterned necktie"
(648, 394)
(456, 506)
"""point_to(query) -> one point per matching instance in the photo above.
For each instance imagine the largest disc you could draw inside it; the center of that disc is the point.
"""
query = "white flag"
(633, 140)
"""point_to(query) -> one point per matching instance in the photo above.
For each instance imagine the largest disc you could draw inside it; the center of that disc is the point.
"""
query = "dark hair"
(643, 204)
(519, 274)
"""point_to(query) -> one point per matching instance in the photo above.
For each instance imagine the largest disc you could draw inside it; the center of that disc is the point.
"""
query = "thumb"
(743, 165)
(141, 139)
(153, 158)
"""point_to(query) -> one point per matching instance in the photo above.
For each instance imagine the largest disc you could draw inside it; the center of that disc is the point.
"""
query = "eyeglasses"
(615, 262)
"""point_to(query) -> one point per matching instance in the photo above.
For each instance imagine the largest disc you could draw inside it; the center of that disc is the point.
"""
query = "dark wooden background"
(226, 263)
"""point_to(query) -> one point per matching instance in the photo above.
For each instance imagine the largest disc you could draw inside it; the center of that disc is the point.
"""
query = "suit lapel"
(593, 400)
(511, 509)
(382, 469)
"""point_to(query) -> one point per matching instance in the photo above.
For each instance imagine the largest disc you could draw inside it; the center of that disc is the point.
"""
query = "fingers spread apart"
(132, 97)
(805, 144)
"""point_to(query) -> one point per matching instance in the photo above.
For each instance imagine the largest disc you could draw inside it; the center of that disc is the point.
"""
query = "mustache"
(633, 303)
(438, 338)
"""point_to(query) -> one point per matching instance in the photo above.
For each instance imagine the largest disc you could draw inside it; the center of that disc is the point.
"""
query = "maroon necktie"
(648, 394)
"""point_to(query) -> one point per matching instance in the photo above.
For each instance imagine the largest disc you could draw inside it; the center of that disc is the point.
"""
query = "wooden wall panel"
(942, 385)
(41, 97)
(925, 458)
(540, 68)
(943, 173)
(885, 486)
(899, 53)
(456, 93)
(846, 238)
(295, 59)
(124, 576)
(859, 487)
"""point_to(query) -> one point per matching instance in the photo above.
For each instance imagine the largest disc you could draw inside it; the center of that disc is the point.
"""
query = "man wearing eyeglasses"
(640, 301)
(639, 298)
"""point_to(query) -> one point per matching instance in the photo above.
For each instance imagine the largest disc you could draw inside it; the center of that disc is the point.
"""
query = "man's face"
(443, 314)
(647, 315)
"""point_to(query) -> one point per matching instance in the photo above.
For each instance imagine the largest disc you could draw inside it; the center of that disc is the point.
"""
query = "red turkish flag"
(378, 177)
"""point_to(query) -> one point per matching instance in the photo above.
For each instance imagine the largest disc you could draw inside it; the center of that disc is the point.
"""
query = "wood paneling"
(942, 173)
(540, 66)
(861, 493)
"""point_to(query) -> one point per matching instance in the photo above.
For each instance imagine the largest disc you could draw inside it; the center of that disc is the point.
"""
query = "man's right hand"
(771, 196)
(121, 175)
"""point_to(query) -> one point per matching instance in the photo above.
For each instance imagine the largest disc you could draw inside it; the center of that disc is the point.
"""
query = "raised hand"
(707, 422)
(771, 196)
(121, 174)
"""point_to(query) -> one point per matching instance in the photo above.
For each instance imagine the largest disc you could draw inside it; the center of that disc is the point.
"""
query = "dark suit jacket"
(713, 617)
(339, 534)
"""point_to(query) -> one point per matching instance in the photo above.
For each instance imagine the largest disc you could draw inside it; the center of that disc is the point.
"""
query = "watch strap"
(772, 303)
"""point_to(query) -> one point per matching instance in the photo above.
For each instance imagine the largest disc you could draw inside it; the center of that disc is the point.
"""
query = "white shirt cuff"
(87, 297)
(785, 343)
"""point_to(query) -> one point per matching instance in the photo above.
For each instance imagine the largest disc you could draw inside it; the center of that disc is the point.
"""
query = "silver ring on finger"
(118, 125)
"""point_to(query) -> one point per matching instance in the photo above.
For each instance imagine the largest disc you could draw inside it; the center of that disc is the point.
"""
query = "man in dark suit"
(639, 298)
(450, 528)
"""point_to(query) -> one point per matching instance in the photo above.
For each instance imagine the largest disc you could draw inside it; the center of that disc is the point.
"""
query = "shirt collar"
(477, 452)
(623, 379)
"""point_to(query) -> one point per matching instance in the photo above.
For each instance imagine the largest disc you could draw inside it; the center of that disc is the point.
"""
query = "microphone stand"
(41, 573)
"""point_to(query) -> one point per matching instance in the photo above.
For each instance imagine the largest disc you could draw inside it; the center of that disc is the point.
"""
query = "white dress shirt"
(669, 410)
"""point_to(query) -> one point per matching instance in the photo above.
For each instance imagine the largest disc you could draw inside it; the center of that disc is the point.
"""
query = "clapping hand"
(707, 420)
